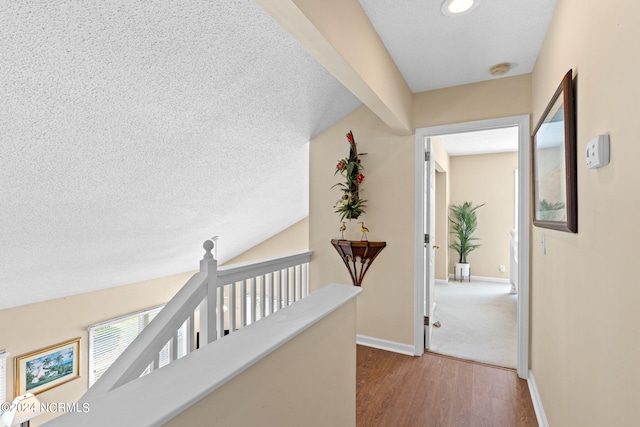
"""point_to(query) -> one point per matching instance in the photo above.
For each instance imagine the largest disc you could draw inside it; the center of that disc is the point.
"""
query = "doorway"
(423, 285)
(476, 317)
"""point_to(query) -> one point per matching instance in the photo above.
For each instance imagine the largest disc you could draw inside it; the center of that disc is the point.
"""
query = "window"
(3, 380)
(107, 341)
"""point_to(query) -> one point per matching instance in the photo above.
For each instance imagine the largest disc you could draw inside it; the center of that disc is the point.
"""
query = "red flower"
(350, 137)
(341, 165)
(360, 178)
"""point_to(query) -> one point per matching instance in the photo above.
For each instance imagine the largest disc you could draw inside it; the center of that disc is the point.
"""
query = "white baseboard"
(537, 401)
(482, 279)
(440, 282)
(381, 344)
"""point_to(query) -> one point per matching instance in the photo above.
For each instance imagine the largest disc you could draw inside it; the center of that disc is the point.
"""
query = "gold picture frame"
(49, 367)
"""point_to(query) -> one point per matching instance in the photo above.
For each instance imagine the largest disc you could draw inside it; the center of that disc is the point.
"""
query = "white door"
(429, 242)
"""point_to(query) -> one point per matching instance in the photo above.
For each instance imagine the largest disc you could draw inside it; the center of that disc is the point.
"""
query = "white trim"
(418, 252)
(124, 317)
(4, 357)
(537, 401)
(381, 344)
(524, 143)
(245, 270)
(442, 282)
(524, 210)
(208, 368)
(481, 279)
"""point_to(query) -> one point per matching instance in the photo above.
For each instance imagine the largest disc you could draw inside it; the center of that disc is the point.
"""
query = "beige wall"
(585, 342)
(310, 381)
(442, 228)
(487, 178)
(385, 308)
(510, 96)
(290, 240)
(35, 326)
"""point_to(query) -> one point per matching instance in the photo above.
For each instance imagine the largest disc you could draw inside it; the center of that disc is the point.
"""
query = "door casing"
(524, 150)
(429, 252)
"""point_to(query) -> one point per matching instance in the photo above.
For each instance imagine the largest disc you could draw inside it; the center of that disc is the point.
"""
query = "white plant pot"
(462, 269)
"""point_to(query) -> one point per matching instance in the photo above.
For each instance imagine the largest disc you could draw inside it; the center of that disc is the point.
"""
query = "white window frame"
(97, 343)
(4, 357)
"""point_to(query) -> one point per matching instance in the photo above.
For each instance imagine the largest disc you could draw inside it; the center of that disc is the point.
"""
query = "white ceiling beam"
(339, 35)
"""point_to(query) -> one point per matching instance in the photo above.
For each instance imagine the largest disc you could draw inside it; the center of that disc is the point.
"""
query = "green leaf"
(464, 222)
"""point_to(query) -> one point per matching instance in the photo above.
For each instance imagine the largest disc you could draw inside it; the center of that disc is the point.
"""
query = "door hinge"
(426, 320)
(427, 156)
(426, 239)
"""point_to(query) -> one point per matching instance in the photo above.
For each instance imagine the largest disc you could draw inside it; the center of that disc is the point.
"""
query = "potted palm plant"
(464, 222)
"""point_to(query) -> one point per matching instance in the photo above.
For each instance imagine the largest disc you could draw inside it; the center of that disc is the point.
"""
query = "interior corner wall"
(386, 305)
(489, 179)
(441, 239)
(31, 327)
(290, 240)
(585, 322)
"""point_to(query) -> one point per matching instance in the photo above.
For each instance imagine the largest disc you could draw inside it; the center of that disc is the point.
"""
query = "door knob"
(436, 246)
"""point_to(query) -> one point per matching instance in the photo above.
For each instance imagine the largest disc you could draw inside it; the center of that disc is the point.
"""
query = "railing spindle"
(286, 287)
(173, 353)
(254, 302)
(232, 307)
(220, 311)
(243, 303)
(191, 333)
(299, 283)
(305, 281)
(262, 296)
(271, 293)
(278, 301)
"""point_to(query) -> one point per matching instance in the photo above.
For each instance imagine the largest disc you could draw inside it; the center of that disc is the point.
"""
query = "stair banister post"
(209, 265)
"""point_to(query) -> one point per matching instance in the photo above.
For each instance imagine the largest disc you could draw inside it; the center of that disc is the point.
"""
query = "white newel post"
(208, 327)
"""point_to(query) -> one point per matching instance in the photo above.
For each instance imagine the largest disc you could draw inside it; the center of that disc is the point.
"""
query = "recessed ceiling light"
(458, 7)
(500, 69)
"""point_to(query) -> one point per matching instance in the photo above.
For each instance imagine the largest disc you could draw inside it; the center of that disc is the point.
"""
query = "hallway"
(433, 390)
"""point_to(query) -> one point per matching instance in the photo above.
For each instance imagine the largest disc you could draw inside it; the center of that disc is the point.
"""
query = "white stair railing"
(212, 304)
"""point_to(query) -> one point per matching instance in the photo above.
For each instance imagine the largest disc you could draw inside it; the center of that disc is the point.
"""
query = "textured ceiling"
(434, 51)
(132, 131)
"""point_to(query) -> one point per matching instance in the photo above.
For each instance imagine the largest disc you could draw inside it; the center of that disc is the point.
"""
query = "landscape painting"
(46, 368)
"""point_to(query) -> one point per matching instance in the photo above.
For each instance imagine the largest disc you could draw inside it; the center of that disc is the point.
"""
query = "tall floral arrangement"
(350, 205)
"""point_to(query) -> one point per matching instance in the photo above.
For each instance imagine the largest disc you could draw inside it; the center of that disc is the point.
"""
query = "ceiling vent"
(500, 69)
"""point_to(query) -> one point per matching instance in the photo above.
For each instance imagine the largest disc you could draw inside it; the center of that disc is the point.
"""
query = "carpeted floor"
(477, 322)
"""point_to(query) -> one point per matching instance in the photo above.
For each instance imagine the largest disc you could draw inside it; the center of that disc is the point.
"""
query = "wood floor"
(433, 390)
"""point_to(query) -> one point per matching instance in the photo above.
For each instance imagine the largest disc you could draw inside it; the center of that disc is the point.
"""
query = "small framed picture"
(47, 368)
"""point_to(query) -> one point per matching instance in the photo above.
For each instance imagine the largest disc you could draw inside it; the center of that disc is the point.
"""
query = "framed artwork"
(47, 368)
(555, 192)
